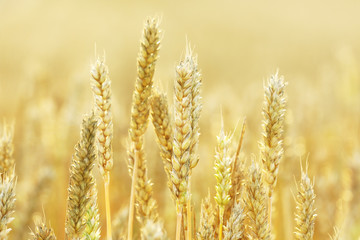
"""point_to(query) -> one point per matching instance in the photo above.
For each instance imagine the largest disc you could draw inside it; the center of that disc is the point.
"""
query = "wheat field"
(180, 120)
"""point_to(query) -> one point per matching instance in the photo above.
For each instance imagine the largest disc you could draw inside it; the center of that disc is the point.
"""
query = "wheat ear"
(206, 228)
(163, 129)
(237, 176)
(43, 232)
(92, 218)
(305, 209)
(119, 224)
(153, 231)
(336, 234)
(101, 86)
(7, 200)
(235, 228)
(81, 180)
(141, 188)
(182, 141)
(45, 178)
(222, 167)
(7, 161)
(255, 202)
(196, 107)
(273, 125)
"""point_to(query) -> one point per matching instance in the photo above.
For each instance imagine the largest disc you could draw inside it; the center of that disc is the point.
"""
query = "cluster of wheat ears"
(244, 192)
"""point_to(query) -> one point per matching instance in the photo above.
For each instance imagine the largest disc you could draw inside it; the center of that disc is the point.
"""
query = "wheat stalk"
(222, 167)
(80, 192)
(141, 189)
(255, 203)
(101, 86)
(305, 209)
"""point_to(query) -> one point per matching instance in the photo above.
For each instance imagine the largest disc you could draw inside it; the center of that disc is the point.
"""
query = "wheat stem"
(269, 212)
(236, 159)
(178, 220)
(132, 199)
(221, 216)
(107, 205)
(188, 213)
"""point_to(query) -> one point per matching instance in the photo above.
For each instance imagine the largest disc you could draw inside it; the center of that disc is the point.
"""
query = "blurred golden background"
(47, 48)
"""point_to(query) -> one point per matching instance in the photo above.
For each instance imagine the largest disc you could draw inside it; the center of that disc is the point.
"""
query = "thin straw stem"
(107, 205)
(221, 216)
(178, 220)
(132, 198)
(189, 214)
(269, 212)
